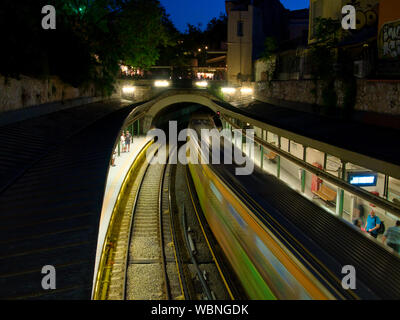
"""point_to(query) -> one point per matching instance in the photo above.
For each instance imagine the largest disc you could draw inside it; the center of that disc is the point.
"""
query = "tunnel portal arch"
(154, 107)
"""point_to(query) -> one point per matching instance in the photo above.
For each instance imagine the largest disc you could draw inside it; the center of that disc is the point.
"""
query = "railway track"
(151, 268)
(152, 258)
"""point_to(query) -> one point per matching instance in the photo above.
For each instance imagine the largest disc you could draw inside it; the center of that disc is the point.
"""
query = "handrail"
(363, 194)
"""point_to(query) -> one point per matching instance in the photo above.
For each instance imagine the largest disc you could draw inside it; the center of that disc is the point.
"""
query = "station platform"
(115, 179)
(371, 140)
(288, 177)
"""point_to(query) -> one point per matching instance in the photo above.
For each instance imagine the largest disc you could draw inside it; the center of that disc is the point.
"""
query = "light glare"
(128, 89)
(246, 90)
(161, 83)
(228, 90)
(202, 84)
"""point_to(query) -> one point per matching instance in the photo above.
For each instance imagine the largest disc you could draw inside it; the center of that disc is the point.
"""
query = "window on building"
(240, 29)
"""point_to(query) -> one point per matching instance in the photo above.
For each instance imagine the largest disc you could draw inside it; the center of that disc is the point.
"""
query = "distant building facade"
(250, 22)
(298, 25)
(367, 12)
(389, 37)
(374, 46)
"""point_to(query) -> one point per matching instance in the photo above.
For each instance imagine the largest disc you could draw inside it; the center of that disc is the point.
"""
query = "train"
(272, 257)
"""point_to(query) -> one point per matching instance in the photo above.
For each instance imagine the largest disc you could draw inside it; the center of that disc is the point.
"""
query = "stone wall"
(372, 96)
(378, 96)
(27, 92)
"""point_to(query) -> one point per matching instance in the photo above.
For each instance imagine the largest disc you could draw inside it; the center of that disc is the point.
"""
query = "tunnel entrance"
(180, 112)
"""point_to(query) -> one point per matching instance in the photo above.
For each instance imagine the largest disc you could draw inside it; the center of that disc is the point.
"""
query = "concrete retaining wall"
(372, 96)
(27, 92)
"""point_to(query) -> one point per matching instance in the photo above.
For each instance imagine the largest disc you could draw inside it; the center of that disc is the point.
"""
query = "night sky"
(195, 11)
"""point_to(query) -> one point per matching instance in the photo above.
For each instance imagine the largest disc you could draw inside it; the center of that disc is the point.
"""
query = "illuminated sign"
(362, 179)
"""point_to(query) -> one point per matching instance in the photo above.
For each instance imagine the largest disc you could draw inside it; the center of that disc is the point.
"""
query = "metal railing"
(342, 184)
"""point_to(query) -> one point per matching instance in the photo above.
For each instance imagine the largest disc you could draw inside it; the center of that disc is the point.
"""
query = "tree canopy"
(92, 38)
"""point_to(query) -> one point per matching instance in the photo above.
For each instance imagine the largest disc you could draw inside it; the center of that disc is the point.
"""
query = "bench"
(271, 156)
(326, 193)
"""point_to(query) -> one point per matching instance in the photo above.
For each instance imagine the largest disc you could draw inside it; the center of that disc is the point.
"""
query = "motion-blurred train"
(281, 245)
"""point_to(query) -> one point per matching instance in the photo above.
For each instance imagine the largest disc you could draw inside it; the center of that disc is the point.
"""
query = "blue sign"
(362, 179)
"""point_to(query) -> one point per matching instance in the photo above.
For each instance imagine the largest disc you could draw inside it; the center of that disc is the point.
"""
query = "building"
(367, 13)
(250, 22)
(389, 37)
(374, 47)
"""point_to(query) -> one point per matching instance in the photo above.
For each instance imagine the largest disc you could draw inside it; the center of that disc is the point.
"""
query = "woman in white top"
(123, 146)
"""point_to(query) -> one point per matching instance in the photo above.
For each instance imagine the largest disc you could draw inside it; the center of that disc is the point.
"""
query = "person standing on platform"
(113, 158)
(123, 142)
(128, 138)
(392, 237)
(373, 223)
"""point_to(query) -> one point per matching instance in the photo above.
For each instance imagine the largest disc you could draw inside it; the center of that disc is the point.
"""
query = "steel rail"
(206, 288)
(161, 231)
(131, 226)
(177, 253)
(217, 263)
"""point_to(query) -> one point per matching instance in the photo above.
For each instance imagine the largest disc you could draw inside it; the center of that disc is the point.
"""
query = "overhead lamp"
(202, 84)
(128, 89)
(228, 90)
(245, 90)
(161, 83)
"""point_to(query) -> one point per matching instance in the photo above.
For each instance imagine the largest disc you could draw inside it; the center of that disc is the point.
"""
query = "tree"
(322, 53)
(183, 47)
(173, 53)
(270, 48)
(268, 56)
(217, 32)
(91, 40)
(127, 31)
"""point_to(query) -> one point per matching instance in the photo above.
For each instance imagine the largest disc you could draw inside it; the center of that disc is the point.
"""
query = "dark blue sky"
(195, 11)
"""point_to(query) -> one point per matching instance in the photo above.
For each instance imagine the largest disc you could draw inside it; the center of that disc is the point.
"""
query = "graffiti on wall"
(366, 14)
(389, 40)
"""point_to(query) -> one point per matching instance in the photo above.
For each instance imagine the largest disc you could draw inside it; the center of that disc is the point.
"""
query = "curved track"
(150, 269)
